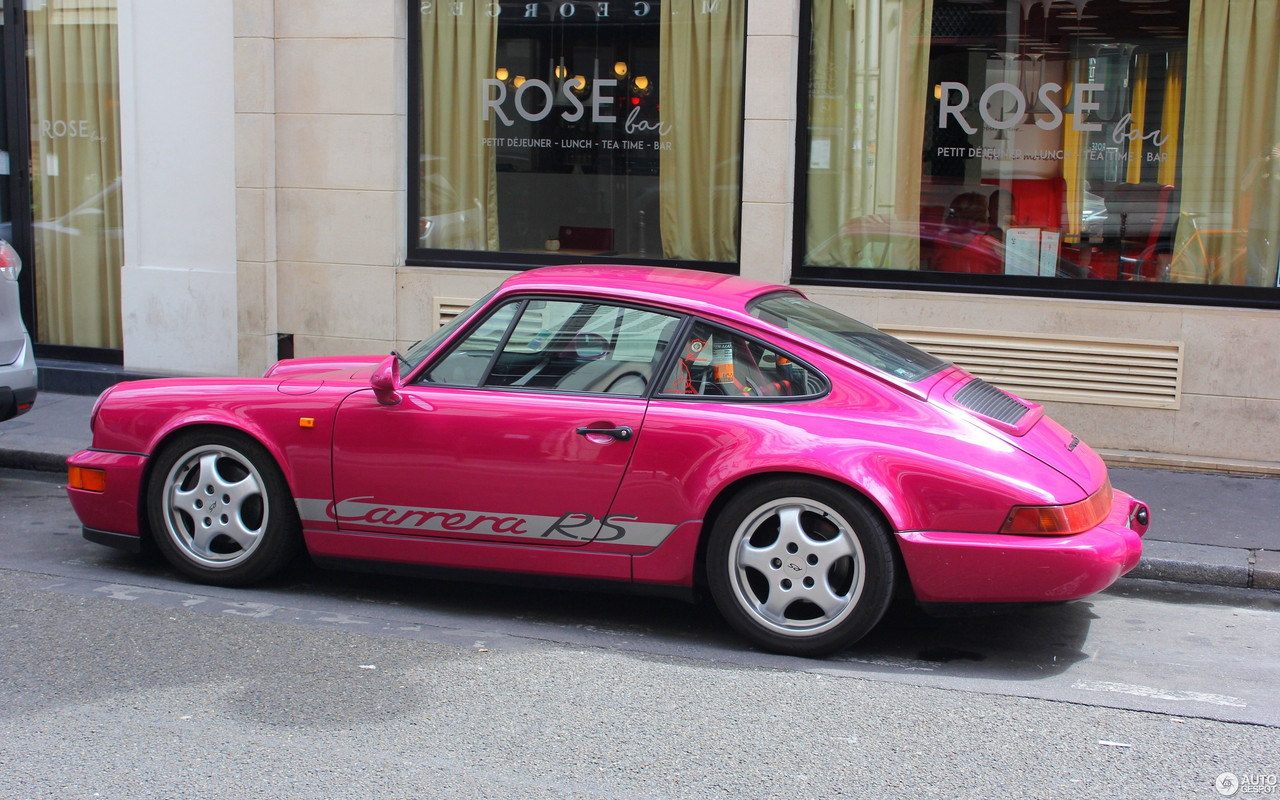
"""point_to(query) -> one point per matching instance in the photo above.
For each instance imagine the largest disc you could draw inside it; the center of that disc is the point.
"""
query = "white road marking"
(1159, 694)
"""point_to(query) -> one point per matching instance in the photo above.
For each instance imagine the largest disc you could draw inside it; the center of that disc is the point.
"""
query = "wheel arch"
(169, 436)
(745, 482)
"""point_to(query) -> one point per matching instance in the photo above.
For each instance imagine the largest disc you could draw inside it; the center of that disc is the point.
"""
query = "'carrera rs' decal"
(568, 527)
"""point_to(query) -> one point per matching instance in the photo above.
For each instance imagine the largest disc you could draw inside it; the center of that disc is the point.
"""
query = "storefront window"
(1098, 140)
(579, 129)
(73, 79)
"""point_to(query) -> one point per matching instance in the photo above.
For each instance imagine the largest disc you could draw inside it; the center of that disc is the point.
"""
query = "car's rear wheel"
(220, 510)
(800, 566)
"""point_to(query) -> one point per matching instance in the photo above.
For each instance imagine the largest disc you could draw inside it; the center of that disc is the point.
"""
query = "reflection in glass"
(73, 76)
(582, 128)
(1134, 142)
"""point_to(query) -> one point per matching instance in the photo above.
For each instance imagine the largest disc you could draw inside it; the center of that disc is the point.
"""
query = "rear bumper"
(115, 510)
(15, 401)
(18, 383)
(997, 568)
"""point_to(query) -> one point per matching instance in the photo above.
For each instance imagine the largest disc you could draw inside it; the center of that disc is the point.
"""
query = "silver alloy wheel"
(215, 506)
(796, 566)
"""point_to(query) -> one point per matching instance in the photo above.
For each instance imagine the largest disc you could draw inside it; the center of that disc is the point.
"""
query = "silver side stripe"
(364, 513)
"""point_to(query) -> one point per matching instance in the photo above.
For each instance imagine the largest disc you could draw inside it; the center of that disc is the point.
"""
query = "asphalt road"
(120, 680)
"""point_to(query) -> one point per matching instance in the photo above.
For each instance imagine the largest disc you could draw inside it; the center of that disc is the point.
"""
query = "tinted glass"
(715, 362)
(847, 336)
(561, 345)
(466, 363)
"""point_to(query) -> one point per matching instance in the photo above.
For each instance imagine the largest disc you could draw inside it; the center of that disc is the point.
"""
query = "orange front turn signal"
(89, 480)
(1060, 520)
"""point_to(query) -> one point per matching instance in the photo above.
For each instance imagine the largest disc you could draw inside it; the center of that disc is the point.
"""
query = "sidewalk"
(1206, 528)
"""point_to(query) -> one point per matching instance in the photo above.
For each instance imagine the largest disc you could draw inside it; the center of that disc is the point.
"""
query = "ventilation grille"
(444, 309)
(981, 397)
(1117, 372)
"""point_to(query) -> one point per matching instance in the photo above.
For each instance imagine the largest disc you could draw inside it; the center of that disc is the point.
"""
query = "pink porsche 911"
(654, 429)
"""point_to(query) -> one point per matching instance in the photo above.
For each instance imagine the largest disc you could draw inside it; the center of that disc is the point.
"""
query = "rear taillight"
(1060, 520)
(10, 263)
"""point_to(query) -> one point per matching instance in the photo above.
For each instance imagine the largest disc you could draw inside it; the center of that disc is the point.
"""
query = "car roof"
(686, 288)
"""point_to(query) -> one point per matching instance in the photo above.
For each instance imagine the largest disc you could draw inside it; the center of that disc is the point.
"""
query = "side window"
(584, 346)
(718, 362)
(562, 345)
(466, 364)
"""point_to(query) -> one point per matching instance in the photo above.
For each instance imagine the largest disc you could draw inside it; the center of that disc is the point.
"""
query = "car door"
(520, 433)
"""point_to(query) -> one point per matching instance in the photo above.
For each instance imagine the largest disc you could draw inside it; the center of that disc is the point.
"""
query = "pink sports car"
(656, 429)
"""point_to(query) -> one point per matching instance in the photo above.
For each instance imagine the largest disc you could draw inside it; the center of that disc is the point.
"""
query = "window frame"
(416, 256)
(653, 391)
(803, 274)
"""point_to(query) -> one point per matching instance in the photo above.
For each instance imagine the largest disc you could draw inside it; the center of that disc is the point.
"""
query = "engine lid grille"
(982, 398)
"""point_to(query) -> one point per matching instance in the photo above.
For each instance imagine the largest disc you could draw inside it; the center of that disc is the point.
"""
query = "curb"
(1208, 565)
(32, 460)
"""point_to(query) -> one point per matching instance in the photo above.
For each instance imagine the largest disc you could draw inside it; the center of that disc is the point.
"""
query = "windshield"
(849, 337)
(423, 348)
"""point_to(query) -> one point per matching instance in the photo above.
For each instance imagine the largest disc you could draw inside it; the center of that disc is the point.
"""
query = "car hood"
(1032, 432)
(345, 368)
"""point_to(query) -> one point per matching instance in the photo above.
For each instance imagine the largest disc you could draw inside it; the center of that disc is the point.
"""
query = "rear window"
(849, 337)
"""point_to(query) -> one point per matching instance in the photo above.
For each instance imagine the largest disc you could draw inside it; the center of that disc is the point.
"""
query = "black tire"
(800, 566)
(220, 510)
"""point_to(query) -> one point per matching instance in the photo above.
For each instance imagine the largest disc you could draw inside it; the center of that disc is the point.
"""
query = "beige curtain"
(700, 66)
(1229, 230)
(870, 75)
(75, 155)
(458, 171)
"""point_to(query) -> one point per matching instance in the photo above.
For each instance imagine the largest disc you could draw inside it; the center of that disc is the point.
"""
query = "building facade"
(1078, 200)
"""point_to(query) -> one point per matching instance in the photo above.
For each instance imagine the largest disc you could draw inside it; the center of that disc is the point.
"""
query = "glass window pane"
(465, 364)
(427, 346)
(583, 346)
(73, 69)
(716, 362)
(860, 342)
(582, 128)
(1131, 141)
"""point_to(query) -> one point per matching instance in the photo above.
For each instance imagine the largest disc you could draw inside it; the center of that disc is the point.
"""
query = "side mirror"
(385, 381)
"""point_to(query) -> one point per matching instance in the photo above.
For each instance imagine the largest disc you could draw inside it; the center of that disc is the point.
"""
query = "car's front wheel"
(220, 510)
(800, 566)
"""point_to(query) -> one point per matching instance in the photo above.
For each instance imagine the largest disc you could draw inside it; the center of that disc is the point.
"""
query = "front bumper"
(113, 512)
(1000, 568)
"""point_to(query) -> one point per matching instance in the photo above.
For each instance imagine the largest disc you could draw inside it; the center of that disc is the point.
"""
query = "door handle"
(622, 434)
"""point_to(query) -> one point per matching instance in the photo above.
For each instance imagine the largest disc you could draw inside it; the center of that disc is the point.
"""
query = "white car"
(17, 363)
